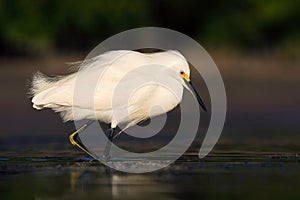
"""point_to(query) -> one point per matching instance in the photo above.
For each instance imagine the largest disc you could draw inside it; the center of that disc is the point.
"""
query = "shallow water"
(234, 175)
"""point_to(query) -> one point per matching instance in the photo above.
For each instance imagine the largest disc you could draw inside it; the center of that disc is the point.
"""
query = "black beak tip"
(200, 101)
(203, 106)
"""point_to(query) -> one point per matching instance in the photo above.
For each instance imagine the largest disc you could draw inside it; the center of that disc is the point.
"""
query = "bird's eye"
(181, 72)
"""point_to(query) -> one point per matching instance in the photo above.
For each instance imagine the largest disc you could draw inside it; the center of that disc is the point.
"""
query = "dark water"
(235, 175)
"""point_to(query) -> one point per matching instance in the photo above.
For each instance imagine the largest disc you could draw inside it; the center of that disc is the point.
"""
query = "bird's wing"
(100, 84)
(57, 91)
(102, 60)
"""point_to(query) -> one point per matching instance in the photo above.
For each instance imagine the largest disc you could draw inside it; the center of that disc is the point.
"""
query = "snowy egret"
(58, 93)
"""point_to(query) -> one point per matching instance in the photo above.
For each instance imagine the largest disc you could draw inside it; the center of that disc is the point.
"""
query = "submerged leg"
(108, 144)
(75, 140)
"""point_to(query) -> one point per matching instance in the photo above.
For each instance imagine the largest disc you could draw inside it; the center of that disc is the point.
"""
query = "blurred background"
(255, 44)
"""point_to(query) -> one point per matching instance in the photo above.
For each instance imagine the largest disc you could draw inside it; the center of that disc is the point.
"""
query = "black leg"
(108, 144)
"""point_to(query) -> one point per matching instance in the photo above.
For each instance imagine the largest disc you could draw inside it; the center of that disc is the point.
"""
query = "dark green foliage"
(30, 25)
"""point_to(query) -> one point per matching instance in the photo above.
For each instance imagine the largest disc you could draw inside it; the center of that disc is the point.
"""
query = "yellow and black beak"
(186, 78)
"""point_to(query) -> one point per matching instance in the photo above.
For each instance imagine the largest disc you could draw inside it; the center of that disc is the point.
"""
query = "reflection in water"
(234, 176)
(137, 186)
(116, 186)
(73, 180)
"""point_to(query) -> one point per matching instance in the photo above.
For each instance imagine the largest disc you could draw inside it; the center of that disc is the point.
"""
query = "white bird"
(166, 73)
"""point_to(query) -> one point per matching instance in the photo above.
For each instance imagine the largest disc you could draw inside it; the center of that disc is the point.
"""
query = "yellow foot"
(73, 141)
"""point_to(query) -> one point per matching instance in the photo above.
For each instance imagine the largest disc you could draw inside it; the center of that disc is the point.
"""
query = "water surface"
(221, 175)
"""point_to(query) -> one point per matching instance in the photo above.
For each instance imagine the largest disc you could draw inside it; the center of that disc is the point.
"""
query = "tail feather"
(48, 92)
(56, 93)
(41, 82)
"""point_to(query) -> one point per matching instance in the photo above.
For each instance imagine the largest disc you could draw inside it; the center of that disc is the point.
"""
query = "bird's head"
(182, 70)
(187, 83)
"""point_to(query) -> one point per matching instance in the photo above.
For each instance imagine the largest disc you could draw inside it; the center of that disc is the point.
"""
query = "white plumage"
(109, 77)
